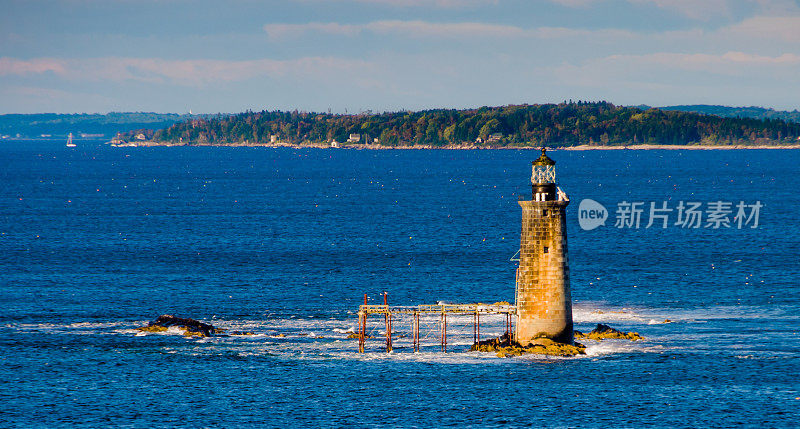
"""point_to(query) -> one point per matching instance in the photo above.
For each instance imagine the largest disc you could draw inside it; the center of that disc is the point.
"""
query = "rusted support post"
(416, 331)
(389, 334)
(387, 318)
(413, 332)
(477, 327)
(362, 326)
(441, 330)
(362, 329)
(444, 336)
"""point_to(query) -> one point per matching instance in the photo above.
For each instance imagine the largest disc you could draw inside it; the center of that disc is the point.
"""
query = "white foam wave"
(606, 347)
(321, 338)
(79, 328)
(588, 313)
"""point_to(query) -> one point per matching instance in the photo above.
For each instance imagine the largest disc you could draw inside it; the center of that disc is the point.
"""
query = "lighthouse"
(543, 298)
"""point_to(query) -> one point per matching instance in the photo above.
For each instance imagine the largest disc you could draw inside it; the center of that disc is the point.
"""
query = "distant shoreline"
(459, 147)
(676, 147)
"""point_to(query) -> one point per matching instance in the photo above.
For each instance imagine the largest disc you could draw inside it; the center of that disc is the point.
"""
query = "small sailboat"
(69, 141)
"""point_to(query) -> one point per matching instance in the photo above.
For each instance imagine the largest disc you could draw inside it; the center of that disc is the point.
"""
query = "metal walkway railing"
(443, 310)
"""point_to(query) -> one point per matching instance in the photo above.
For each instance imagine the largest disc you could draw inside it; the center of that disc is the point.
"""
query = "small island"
(580, 125)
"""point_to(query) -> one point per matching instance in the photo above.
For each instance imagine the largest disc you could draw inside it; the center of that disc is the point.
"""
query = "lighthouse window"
(544, 212)
(546, 249)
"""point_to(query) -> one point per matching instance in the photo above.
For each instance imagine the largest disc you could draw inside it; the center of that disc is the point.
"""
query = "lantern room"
(543, 179)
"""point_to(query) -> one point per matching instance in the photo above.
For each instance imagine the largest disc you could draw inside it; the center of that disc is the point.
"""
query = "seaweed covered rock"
(191, 327)
(602, 332)
(506, 347)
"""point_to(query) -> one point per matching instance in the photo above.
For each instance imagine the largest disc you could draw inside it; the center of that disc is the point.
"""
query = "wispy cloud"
(415, 3)
(458, 29)
(445, 30)
(13, 66)
(701, 10)
(197, 72)
(280, 31)
(727, 63)
(405, 28)
(614, 70)
(575, 3)
(784, 28)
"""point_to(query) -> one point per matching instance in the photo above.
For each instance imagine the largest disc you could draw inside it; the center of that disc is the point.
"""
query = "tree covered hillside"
(738, 112)
(565, 124)
(32, 125)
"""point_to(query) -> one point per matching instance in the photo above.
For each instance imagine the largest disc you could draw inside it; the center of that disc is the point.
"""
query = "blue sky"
(356, 55)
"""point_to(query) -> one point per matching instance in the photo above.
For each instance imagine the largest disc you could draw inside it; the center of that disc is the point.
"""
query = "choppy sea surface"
(283, 243)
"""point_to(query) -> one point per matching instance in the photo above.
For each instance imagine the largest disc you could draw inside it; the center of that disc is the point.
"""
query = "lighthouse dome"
(544, 159)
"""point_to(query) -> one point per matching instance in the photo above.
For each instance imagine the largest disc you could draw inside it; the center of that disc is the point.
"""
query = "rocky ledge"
(602, 332)
(505, 347)
(190, 327)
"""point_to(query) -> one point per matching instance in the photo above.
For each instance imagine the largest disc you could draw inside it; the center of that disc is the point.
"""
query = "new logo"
(591, 214)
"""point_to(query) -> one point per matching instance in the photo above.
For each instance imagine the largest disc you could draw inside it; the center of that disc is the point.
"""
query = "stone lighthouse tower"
(543, 298)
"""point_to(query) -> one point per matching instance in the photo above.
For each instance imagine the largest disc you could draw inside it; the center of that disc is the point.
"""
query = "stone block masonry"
(543, 297)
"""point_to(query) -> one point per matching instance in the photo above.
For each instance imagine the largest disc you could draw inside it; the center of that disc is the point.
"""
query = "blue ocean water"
(95, 241)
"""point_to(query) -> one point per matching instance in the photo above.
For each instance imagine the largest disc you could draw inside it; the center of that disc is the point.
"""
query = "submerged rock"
(505, 347)
(191, 327)
(602, 332)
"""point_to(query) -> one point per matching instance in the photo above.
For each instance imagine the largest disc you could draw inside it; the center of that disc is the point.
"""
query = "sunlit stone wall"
(543, 298)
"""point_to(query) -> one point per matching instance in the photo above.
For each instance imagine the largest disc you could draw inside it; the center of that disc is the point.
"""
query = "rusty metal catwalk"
(442, 310)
